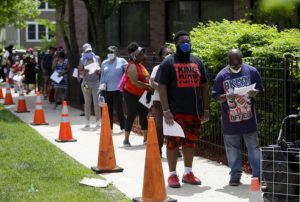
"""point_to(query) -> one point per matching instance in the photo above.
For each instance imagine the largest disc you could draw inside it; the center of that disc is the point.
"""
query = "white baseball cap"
(87, 47)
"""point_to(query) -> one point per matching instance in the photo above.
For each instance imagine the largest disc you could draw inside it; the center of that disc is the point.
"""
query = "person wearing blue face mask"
(112, 70)
(90, 84)
(183, 91)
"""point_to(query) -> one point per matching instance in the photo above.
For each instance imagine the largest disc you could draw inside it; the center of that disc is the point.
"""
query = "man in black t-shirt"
(183, 91)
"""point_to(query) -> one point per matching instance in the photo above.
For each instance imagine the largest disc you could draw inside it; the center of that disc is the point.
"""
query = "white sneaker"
(87, 124)
(98, 124)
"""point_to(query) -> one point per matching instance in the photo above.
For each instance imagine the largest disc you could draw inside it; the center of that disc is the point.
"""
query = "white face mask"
(111, 56)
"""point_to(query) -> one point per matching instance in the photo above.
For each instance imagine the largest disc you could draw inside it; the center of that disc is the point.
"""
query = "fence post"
(286, 92)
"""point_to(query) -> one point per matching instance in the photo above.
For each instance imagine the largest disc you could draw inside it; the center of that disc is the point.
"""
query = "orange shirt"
(143, 75)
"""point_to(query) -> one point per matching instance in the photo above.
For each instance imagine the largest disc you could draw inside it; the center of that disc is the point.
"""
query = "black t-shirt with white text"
(183, 81)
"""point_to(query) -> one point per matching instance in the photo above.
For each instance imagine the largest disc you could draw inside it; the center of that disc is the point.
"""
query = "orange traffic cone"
(255, 195)
(154, 188)
(39, 117)
(8, 98)
(65, 132)
(1, 93)
(22, 108)
(106, 155)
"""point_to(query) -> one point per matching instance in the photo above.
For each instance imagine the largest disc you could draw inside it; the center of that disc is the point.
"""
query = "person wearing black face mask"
(183, 92)
(238, 113)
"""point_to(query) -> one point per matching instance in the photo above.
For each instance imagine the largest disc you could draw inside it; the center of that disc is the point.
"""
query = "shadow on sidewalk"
(134, 147)
(241, 191)
(187, 190)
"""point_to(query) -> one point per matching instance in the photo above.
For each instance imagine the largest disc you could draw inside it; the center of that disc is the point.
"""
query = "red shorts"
(191, 126)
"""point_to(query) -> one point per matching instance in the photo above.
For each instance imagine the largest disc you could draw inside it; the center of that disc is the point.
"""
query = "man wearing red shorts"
(183, 90)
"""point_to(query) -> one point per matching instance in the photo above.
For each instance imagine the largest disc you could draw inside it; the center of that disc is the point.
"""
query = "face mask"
(111, 56)
(88, 55)
(185, 47)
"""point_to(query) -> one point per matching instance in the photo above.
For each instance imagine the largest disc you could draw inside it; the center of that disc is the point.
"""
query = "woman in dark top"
(30, 73)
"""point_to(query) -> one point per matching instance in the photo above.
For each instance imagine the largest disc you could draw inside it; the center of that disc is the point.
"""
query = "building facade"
(151, 23)
(34, 32)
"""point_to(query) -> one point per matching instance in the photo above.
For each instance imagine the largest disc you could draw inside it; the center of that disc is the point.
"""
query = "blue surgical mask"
(88, 55)
(185, 47)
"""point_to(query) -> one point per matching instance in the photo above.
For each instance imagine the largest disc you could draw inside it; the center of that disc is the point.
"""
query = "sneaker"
(145, 141)
(190, 178)
(82, 114)
(126, 143)
(87, 124)
(235, 182)
(98, 124)
(173, 181)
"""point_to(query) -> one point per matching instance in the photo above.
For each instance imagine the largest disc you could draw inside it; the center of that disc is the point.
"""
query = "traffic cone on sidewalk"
(106, 155)
(8, 98)
(154, 188)
(1, 93)
(255, 195)
(65, 132)
(39, 117)
(22, 108)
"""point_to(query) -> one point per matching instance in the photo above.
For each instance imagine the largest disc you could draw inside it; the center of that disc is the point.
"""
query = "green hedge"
(212, 41)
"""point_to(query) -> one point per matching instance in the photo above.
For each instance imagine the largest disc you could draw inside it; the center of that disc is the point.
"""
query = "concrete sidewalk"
(214, 176)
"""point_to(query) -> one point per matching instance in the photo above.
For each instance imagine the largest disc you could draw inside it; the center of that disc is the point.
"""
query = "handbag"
(122, 82)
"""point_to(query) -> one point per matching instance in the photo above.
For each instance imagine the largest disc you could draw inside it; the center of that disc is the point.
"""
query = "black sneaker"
(235, 182)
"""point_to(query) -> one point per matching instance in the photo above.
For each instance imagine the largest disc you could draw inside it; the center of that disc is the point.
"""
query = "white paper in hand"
(244, 90)
(92, 67)
(93, 182)
(173, 130)
(143, 100)
(54, 77)
(75, 73)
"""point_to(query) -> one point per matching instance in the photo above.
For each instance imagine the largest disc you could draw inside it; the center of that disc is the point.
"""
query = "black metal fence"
(281, 80)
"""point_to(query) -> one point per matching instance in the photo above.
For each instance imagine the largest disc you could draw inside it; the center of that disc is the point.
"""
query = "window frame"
(46, 7)
(120, 22)
(36, 24)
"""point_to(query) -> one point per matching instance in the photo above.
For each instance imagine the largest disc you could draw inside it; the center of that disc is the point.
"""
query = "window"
(216, 10)
(184, 15)
(31, 32)
(35, 32)
(128, 23)
(45, 6)
(181, 15)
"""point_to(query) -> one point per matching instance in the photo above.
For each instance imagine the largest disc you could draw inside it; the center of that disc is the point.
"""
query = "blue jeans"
(233, 153)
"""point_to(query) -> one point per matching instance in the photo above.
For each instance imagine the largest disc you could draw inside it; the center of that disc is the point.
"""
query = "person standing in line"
(46, 67)
(183, 91)
(137, 82)
(156, 109)
(238, 113)
(61, 66)
(112, 70)
(90, 84)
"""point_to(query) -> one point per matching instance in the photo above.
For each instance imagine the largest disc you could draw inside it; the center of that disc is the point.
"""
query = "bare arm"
(154, 84)
(169, 118)
(133, 76)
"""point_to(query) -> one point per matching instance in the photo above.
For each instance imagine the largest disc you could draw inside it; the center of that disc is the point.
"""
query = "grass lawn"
(32, 169)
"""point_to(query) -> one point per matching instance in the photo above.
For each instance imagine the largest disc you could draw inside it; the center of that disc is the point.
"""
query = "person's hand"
(169, 118)
(86, 71)
(205, 117)
(253, 93)
(97, 71)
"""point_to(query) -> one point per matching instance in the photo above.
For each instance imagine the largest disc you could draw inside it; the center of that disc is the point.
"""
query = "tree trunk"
(74, 50)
